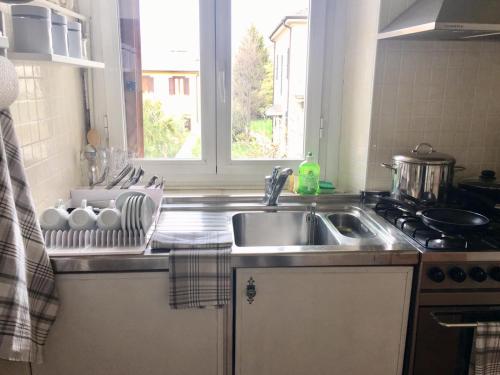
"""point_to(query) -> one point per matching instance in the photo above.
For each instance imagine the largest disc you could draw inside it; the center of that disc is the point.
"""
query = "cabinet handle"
(251, 290)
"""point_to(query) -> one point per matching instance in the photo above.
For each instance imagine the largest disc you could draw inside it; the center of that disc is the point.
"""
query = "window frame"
(216, 168)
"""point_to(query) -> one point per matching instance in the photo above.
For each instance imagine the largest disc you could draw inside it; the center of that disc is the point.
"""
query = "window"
(224, 85)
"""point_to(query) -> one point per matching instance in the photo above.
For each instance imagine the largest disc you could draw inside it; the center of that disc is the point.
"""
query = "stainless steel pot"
(422, 175)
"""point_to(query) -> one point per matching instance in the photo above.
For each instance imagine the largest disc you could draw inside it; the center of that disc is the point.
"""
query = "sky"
(173, 25)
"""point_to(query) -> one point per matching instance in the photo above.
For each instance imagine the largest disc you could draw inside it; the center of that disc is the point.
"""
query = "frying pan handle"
(388, 166)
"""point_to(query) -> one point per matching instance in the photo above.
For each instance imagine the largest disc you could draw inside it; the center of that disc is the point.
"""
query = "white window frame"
(215, 169)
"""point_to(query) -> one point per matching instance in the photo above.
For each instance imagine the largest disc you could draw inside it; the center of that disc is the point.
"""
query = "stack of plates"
(137, 211)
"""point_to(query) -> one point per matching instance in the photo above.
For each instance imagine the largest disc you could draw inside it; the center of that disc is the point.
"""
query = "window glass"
(169, 60)
(269, 65)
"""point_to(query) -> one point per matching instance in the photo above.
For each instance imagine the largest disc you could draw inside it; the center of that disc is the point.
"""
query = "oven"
(447, 313)
(445, 335)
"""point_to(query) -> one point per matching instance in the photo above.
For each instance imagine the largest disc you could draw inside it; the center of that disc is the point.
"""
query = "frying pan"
(453, 221)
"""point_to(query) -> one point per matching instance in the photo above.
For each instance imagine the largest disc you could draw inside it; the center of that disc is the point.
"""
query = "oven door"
(444, 338)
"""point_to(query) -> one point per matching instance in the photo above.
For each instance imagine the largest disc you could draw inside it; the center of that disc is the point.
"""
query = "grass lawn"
(252, 149)
(264, 127)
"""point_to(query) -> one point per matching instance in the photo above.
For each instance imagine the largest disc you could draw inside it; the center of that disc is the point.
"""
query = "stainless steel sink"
(281, 229)
(350, 225)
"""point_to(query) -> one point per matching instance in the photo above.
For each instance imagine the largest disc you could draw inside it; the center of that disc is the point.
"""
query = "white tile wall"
(49, 121)
(444, 93)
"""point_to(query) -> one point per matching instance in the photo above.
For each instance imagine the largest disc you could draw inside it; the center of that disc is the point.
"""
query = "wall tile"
(49, 125)
(444, 93)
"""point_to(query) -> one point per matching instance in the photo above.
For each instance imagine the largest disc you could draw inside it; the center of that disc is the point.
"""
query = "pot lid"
(425, 153)
(486, 180)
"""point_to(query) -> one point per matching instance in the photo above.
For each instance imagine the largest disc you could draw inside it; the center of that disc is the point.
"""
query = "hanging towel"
(199, 278)
(28, 300)
(485, 356)
(199, 259)
(192, 240)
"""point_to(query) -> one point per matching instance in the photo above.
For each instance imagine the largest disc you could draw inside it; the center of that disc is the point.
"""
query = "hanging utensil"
(151, 182)
(123, 173)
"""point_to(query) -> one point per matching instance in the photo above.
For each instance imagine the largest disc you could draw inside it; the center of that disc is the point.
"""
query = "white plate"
(120, 200)
(147, 211)
(140, 202)
(130, 208)
(133, 208)
(124, 214)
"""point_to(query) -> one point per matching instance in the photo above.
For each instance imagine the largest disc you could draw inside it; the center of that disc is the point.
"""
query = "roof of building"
(299, 17)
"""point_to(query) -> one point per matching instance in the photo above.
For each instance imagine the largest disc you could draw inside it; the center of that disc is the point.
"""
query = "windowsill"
(240, 193)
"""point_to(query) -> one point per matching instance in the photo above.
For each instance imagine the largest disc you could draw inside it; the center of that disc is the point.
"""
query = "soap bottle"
(308, 176)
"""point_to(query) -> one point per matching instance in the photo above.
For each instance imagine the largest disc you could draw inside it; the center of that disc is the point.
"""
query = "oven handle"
(453, 325)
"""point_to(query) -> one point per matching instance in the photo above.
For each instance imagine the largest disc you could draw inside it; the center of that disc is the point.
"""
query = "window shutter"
(186, 85)
(171, 86)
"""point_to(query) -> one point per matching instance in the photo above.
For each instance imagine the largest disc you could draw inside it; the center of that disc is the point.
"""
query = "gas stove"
(403, 216)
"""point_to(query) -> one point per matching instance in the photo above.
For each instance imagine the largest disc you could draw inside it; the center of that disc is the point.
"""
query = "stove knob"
(457, 274)
(436, 274)
(495, 273)
(478, 274)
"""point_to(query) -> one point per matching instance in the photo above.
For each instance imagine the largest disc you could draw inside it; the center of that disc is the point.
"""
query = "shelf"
(57, 59)
(59, 9)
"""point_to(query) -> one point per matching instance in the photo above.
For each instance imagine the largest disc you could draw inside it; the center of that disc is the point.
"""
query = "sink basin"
(350, 225)
(280, 229)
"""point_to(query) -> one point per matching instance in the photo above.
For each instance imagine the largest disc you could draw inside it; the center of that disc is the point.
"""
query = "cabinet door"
(14, 368)
(322, 321)
(121, 324)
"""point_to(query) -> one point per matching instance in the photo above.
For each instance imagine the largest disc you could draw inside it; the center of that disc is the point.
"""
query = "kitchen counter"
(215, 211)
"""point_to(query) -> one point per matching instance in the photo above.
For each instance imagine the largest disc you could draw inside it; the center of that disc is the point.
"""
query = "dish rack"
(95, 238)
(72, 242)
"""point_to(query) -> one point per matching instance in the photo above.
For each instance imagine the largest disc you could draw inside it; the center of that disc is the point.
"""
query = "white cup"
(55, 218)
(109, 218)
(82, 218)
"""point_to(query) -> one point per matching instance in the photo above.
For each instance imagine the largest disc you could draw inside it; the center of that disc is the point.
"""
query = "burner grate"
(400, 216)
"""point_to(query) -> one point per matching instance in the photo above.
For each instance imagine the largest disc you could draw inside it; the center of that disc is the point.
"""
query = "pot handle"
(419, 146)
(388, 166)
(459, 168)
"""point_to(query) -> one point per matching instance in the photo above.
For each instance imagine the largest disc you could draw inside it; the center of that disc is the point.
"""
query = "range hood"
(447, 20)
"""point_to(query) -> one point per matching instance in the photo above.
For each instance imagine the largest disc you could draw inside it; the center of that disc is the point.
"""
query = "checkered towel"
(191, 240)
(485, 356)
(28, 300)
(200, 257)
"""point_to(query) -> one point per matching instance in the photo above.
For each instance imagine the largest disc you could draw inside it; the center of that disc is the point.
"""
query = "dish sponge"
(326, 187)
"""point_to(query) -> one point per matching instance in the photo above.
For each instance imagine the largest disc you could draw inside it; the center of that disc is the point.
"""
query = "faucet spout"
(275, 184)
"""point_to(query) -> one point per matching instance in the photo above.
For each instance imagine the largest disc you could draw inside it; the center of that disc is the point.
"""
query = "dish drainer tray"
(95, 238)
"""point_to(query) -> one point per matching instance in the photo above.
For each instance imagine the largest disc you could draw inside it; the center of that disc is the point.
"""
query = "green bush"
(163, 136)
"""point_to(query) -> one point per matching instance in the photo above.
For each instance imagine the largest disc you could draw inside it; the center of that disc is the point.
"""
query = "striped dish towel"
(200, 257)
(485, 356)
(28, 299)
(192, 240)
(199, 278)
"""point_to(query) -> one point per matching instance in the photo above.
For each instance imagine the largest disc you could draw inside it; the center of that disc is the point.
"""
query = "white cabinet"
(121, 324)
(322, 321)
(14, 368)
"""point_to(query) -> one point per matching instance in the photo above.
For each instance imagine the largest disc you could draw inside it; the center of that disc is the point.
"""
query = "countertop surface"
(216, 213)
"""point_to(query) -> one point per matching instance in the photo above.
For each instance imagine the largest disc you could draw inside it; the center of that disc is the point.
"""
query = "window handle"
(222, 86)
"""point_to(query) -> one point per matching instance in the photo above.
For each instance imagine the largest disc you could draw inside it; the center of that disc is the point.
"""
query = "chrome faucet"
(275, 184)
